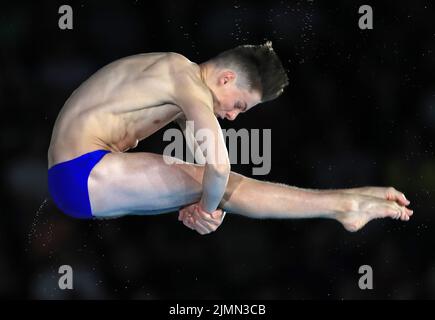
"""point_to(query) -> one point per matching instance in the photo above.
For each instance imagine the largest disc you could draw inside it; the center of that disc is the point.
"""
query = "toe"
(405, 216)
(402, 199)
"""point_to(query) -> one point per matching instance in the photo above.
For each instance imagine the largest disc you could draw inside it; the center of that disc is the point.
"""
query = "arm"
(196, 102)
(217, 167)
(192, 216)
(190, 140)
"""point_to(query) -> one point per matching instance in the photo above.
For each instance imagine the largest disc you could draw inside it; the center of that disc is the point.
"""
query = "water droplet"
(34, 224)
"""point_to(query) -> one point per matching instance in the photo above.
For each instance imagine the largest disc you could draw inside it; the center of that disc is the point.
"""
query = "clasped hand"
(197, 219)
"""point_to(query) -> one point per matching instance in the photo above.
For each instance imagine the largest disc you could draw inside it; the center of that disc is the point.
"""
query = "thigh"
(142, 183)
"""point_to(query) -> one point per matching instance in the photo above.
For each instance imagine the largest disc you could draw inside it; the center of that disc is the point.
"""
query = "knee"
(234, 182)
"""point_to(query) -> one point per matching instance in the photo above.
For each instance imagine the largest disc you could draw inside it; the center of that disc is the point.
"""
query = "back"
(121, 104)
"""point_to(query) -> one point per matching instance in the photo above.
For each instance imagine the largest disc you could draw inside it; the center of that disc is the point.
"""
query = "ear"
(226, 76)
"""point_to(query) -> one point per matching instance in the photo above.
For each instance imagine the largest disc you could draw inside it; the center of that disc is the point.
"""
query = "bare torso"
(121, 104)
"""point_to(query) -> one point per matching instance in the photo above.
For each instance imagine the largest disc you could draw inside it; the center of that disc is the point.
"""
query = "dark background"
(359, 111)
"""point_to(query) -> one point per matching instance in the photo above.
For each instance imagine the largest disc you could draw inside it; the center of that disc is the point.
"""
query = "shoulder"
(176, 58)
(162, 62)
(186, 79)
(179, 65)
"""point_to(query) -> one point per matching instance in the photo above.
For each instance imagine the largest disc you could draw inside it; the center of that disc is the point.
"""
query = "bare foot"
(365, 209)
(386, 193)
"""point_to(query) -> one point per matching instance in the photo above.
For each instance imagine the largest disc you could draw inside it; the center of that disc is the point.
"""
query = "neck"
(207, 72)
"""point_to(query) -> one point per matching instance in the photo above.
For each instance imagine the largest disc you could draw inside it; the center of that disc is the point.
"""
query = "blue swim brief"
(68, 184)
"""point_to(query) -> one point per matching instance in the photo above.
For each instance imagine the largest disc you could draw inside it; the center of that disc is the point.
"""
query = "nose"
(231, 115)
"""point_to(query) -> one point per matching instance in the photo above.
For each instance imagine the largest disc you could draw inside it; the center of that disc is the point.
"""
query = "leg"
(142, 183)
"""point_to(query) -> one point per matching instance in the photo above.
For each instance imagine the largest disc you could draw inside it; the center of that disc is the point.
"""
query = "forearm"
(192, 144)
(214, 184)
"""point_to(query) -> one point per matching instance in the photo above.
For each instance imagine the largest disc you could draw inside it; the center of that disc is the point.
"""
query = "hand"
(197, 219)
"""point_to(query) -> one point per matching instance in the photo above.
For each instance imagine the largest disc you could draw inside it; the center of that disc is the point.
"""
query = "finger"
(207, 227)
(186, 212)
(217, 214)
(189, 208)
(200, 228)
(204, 219)
(195, 225)
(186, 215)
(193, 217)
(218, 217)
(188, 224)
(214, 218)
(203, 215)
(181, 215)
(210, 223)
(191, 220)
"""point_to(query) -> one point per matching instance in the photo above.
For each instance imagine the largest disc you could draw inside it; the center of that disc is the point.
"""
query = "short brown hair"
(260, 67)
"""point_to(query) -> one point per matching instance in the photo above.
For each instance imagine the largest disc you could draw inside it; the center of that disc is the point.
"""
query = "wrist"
(201, 206)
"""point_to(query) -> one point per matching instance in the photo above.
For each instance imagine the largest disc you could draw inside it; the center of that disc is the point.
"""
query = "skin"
(131, 98)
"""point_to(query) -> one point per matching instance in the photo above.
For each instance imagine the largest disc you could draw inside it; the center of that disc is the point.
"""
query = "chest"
(150, 120)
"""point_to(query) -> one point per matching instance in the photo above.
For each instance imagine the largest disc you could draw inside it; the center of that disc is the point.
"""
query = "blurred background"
(359, 111)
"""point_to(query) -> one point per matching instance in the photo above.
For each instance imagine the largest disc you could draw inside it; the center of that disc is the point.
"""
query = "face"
(231, 100)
